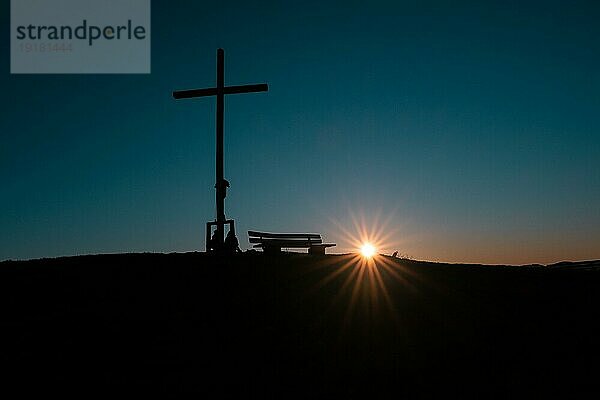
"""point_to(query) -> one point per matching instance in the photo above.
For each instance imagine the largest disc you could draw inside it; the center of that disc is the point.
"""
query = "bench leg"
(272, 250)
(317, 250)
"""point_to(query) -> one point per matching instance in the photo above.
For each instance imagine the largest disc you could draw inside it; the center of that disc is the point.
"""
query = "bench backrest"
(267, 235)
(285, 239)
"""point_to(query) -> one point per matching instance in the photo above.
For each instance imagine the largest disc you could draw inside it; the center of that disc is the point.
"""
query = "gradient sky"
(467, 132)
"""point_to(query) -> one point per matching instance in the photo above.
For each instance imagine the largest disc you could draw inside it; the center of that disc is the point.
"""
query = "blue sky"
(471, 128)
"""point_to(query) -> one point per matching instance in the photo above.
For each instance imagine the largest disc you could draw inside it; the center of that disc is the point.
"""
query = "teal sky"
(463, 131)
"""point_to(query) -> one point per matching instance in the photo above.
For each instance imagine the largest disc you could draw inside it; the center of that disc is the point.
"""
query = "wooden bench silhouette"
(274, 242)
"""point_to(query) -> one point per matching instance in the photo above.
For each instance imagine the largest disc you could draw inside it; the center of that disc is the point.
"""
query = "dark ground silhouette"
(276, 325)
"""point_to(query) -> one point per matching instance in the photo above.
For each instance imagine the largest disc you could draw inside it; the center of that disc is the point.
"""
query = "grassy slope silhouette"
(264, 325)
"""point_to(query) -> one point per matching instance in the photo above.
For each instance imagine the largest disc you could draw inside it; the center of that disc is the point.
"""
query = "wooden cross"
(220, 91)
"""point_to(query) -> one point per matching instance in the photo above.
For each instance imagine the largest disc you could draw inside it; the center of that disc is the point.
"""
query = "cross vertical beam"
(220, 180)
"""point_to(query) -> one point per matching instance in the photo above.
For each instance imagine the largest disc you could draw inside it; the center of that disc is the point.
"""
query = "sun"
(367, 250)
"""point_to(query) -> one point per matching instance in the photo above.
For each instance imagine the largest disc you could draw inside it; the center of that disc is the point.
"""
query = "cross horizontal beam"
(191, 93)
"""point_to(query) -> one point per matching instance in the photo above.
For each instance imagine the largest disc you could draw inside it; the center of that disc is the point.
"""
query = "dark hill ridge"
(256, 324)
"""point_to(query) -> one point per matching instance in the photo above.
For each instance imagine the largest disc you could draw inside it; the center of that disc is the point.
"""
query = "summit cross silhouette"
(221, 185)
